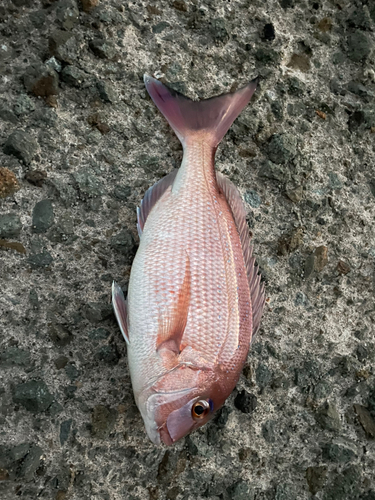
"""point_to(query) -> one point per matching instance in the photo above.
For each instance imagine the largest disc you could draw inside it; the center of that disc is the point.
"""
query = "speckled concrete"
(81, 141)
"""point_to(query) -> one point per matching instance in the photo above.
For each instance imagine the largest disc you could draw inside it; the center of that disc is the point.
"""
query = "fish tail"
(211, 117)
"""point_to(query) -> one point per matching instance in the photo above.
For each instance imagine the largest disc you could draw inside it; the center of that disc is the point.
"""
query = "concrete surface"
(80, 142)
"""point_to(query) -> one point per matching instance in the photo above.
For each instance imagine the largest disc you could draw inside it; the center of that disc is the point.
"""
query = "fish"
(195, 296)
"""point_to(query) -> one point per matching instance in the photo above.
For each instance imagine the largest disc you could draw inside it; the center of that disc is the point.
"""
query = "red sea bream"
(195, 299)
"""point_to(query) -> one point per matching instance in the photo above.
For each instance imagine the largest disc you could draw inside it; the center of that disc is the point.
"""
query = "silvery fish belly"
(194, 298)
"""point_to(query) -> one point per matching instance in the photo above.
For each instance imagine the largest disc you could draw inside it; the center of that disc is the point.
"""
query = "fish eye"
(200, 409)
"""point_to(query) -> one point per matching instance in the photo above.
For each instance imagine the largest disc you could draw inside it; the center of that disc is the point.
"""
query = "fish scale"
(192, 294)
(184, 218)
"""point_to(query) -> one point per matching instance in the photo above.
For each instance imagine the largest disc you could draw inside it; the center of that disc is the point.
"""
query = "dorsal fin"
(236, 205)
(153, 194)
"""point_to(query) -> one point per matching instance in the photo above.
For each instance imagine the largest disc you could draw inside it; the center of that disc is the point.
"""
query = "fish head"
(171, 410)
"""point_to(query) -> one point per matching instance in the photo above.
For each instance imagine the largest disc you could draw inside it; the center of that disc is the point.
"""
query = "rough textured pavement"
(80, 142)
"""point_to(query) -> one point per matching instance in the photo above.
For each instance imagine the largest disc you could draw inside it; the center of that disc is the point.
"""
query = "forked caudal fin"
(212, 117)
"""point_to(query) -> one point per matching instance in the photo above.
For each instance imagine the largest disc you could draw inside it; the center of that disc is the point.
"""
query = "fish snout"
(152, 430)
(151, 426)
(167, 416)
(157, 434)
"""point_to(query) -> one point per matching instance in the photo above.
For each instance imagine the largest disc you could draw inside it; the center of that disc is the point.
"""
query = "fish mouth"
(165, 436)
(158, 432)
(158, 435)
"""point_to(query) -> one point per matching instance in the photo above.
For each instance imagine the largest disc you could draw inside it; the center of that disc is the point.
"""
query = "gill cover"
(168, 417)
(182, 421)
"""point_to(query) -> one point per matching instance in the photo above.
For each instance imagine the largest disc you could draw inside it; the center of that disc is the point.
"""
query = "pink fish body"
(194, 298)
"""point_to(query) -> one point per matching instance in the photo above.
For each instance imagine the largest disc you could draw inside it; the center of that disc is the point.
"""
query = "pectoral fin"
(172, 322)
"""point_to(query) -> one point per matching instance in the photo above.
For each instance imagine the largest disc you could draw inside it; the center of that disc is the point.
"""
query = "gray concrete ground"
(80, 142)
